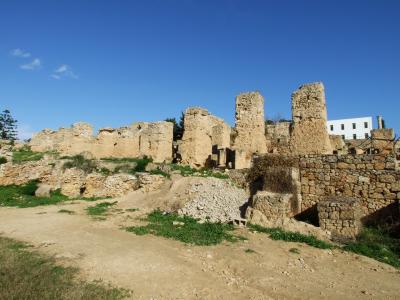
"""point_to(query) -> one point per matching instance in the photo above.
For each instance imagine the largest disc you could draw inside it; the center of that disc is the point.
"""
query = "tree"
(8, 126)
(178, 128)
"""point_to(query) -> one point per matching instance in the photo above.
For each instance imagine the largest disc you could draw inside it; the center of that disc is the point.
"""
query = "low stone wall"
(341, 216)
(372, 179)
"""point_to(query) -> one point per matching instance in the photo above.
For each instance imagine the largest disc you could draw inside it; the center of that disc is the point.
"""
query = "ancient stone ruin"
(140, 139)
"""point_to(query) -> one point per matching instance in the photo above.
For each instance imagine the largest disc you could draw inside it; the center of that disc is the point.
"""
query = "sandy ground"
(157, 268)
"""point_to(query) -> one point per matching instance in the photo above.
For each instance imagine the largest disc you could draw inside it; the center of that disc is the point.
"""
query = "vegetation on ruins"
(8, 126)
(26, 154)
(3, 160)
(186, 170)
(185, 229)
(140, 163)
(80, 162)
(100, 209)
(26, 274)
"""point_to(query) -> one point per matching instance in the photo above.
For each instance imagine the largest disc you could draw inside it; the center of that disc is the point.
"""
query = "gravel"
(215, 200)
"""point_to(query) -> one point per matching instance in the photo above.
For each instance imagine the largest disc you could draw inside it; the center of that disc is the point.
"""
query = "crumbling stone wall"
(383, 140)
(203, 132)
(338, 145)
(372, 179)
(341, 216)
(150, 139)
(249, 128)
(309, 134)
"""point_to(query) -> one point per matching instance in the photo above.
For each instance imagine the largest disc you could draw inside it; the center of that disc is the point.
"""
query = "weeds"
(29, 275)
(141, 163)
(190, 230)
(159, 172)
(294, 250)
(100, 209)
(186, 170)
(288, 236)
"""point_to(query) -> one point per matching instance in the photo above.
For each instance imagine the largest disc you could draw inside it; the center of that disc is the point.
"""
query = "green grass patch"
(29, 275)
(191, 232)
(289, 236)
(376, 243)
(66, 211)
(26, 154)
(24, 196)
(100, 209)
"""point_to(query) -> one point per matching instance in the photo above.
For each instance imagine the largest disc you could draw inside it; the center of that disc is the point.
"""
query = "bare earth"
(157, 268)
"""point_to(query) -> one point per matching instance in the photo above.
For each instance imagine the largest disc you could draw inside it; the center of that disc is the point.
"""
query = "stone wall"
(309, 134)
(341, 216)
(203, 132)
(249, 127)
(278, 137)
(372, 179)
(139, 139)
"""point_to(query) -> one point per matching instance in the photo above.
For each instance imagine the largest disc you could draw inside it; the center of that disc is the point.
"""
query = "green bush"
(187, 229)
(186, 170)
(141, 164)
(3, 160)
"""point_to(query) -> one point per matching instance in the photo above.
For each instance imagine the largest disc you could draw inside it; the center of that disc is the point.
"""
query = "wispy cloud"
(35, 64)
(64, 71)
(20, 53)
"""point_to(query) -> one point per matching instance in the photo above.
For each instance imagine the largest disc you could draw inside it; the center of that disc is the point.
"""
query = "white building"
(351, 129)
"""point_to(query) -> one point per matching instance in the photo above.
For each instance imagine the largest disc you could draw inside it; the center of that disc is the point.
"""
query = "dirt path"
(156, 268)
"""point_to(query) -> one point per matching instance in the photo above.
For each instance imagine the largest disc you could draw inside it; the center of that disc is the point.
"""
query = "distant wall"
(150, 139)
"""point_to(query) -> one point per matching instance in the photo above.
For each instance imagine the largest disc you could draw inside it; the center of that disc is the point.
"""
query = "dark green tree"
(178, 128)
(8, 126)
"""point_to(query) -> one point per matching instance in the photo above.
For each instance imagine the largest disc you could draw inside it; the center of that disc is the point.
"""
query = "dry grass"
(25, 274)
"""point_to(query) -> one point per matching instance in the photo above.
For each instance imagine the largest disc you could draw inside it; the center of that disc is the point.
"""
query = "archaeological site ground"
(262, 210)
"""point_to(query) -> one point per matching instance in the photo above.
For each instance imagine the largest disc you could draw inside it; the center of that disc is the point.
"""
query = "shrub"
(100, 208)
(80, 162)
(3, 160)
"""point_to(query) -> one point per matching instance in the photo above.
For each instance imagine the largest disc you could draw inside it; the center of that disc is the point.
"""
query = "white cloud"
(64, 71)
(20, 53)
(35, 64)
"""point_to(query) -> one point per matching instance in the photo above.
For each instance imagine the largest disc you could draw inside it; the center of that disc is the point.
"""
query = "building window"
(331, 127)
(365, 124)
(342, 126)
(343, 137)
(354, 125)
(354, 136)
(366, 135)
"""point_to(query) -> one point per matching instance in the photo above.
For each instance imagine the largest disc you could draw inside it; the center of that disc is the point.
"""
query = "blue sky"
(111, 63)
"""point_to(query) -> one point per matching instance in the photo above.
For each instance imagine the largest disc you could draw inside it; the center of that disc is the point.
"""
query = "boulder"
(43, 191)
